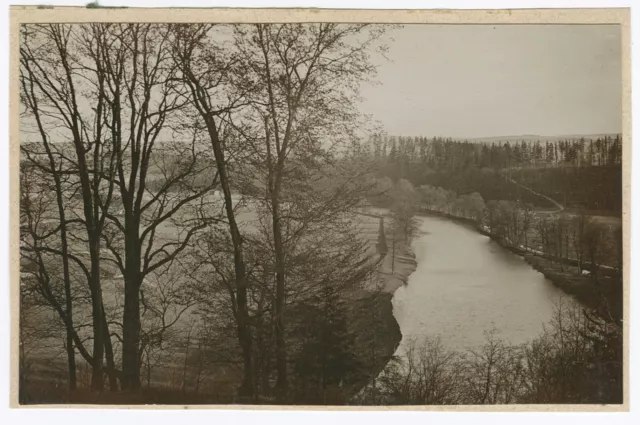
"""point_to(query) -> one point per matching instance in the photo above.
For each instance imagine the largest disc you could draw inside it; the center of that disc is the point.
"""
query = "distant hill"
(535, 137)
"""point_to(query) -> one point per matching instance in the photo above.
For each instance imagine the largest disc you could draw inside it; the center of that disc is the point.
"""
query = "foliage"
(326, 360)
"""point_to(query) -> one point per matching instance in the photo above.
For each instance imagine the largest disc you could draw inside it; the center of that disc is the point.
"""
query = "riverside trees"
(577, 359)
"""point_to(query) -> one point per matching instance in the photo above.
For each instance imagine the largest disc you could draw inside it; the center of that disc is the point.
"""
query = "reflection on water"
(466, 284)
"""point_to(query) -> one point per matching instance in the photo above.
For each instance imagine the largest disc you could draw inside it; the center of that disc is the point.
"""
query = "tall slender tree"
(304, 100)
(49, 71)
(210, 74)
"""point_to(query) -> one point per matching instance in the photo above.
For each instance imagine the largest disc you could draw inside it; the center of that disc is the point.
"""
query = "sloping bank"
(377, 333)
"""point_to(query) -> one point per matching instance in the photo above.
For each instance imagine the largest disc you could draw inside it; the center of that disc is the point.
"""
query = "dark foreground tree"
(134, 161)
(211, 73)
(53, 91)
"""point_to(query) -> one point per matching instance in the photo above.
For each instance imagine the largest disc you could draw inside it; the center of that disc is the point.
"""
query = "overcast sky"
(485, 80)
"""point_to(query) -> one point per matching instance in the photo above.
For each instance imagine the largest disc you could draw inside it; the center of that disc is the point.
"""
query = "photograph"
(320, 210)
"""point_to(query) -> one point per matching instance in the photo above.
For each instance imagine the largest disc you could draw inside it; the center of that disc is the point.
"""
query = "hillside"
(597, 189)
(488, 183)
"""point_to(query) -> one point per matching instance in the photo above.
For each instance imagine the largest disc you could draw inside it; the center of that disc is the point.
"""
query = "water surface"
(466, 284)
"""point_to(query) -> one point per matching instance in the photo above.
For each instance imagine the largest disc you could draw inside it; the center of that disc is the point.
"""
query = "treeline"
(183, 219)
(492, 185)
(576, 360)
(451, 155)
(565, 239)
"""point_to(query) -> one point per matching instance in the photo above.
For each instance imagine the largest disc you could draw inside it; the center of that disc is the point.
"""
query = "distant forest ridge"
(527, 138)
(536, 137)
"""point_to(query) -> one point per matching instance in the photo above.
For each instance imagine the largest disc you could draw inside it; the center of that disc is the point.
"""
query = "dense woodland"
(448, 154)
(191, 225)
(580, 174)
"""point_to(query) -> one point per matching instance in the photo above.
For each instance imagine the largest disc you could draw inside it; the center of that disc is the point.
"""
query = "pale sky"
(485, 80)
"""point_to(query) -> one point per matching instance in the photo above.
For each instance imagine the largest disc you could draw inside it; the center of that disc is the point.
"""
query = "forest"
(581, 174)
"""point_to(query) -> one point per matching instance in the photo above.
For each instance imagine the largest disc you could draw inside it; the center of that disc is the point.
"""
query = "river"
(466, 284)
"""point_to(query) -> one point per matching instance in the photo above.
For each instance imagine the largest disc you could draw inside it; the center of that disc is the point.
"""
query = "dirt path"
(553, 201)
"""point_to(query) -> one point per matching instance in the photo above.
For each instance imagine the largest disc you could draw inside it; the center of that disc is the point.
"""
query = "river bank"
(603, 294)
(377, 332)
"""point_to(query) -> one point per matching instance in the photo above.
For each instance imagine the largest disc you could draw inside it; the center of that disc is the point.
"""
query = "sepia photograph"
(320, 211)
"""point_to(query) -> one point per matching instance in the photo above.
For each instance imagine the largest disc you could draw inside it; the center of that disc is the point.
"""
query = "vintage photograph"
(320, 213)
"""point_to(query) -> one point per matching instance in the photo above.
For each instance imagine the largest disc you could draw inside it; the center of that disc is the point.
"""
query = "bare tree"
(157, 180)
(561, 226)
(594, 238)
(211, 75)
(307, 86)
(34, 201)
(31, 100)
(51, 81)
(429, 375)
(618, 240)
(579, 227)
(121, 158)
(493, 372)
(528, 217)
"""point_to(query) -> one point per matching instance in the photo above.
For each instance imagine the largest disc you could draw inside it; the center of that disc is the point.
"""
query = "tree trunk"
(71, 359)
(98, 330)
(393, 254)
(148, 370)
(186, 363)
(244, 330)
(71, 352)
(281, 354)
(131, 316)
(131, 336)
(108, 351)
